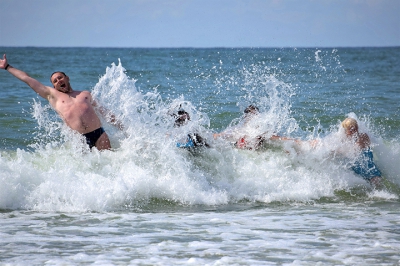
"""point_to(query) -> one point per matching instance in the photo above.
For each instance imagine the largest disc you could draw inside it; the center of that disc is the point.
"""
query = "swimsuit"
(365, 166)
(241, 143)
(93, 136)
(188, 144)
(193, 140)
(254, 143)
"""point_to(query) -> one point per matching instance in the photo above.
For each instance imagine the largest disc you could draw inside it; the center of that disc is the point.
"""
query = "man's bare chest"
(67, 104)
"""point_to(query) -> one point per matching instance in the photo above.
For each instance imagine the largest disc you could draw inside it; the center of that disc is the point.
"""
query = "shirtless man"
(76, 108)
(364, 164)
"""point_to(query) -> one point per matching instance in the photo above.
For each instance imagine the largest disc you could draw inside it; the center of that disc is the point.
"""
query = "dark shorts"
(93, 136)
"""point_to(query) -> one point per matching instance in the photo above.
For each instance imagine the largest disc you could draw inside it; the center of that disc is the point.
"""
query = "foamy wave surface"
(61, 174)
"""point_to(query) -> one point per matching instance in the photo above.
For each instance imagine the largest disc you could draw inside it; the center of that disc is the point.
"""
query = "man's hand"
(3, 62)
(38, 87)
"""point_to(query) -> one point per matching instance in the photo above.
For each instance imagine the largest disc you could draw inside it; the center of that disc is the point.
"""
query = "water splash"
(145, 164)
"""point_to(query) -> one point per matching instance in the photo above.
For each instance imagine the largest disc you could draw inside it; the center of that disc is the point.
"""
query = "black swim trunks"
(93, 136)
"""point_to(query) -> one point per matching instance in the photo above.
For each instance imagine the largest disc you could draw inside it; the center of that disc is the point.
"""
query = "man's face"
(351, 130)
(60, 82)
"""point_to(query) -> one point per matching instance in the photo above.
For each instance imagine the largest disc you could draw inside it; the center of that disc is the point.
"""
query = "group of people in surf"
(357, 145)
(77, 109)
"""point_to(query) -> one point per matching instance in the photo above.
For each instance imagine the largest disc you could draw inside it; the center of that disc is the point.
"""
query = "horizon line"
(208, 47)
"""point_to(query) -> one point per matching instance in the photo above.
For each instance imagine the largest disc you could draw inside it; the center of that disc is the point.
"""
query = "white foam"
(61, 174)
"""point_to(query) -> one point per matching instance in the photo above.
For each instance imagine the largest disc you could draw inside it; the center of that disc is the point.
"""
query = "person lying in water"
(193, 139)
(357, 150)
(240, 136)
(364, 162)
(76, 108)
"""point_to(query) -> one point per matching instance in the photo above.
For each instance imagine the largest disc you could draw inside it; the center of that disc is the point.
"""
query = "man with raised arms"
(76, 108)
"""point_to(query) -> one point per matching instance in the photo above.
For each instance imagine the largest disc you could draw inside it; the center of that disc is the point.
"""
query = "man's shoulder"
(363, 136)
(83, 96)
(364, 140)
(84, 92)
(81, 91)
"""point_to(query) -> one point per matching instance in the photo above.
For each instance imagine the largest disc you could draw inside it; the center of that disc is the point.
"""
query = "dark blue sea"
(149, 202)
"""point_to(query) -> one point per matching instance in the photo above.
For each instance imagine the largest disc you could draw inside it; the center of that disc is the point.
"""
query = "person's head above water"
(55, 73)
(251, 109)
(181, 118)
(60, 81)
(350, 126)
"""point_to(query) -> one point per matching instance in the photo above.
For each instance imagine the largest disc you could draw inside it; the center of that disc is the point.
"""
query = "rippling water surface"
(148, 202)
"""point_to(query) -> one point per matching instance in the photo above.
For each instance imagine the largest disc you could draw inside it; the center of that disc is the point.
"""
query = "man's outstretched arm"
(38, 87)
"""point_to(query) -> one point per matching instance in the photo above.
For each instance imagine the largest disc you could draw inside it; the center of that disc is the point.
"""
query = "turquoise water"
(149, 202)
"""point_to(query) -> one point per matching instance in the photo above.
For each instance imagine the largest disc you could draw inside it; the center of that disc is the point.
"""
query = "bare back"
(363, 141)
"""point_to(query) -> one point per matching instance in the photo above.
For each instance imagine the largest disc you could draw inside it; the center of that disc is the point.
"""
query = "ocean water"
(148, 202)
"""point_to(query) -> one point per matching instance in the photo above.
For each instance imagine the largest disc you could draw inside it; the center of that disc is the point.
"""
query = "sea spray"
(146, 166)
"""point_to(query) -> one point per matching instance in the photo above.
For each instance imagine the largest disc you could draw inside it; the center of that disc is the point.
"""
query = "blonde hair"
(349, 123)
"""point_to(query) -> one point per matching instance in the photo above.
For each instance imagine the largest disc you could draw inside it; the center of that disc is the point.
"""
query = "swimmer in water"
(364, 163)
(239, 137)
(193, 139)
(76, 108)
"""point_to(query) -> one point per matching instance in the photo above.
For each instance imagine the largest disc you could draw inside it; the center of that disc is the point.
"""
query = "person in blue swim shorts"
(193, 139)
(363, 164)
